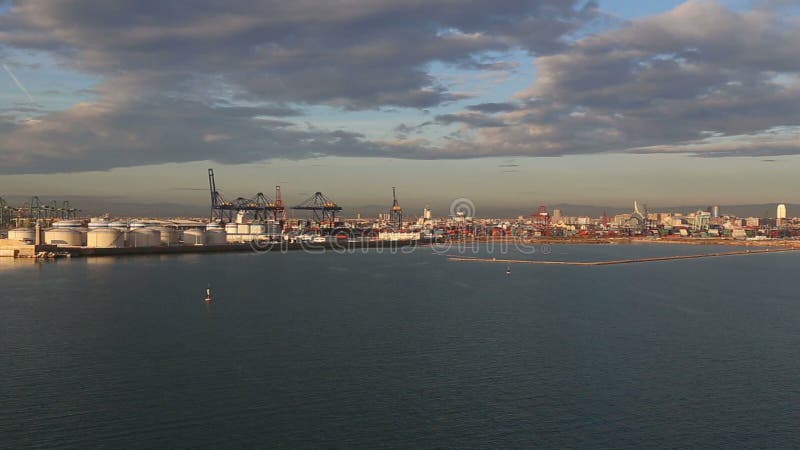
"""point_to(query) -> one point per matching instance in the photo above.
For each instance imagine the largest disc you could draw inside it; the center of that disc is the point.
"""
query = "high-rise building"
(781, 211)
(780, 215)
(715, 212)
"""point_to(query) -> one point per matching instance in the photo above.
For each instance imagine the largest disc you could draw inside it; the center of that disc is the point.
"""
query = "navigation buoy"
(209, 296)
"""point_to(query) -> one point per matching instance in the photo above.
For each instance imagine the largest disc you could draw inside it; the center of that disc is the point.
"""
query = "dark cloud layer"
(229, 81)
(99, 136)
(176, 72)
(355, 54)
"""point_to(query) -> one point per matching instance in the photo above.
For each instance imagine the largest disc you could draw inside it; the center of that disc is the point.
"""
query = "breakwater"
(619, 261)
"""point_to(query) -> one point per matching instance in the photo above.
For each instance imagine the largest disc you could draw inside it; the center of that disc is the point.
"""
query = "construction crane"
(324, 209)
(396, 212)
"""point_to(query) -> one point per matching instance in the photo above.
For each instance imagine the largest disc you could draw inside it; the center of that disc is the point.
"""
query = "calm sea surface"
(406, 350)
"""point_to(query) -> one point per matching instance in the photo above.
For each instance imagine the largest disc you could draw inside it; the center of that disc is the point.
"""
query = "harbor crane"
(396, 212)
(34, 211)
(324, 209)
(258, 208)
(5, 213)
(279, 213)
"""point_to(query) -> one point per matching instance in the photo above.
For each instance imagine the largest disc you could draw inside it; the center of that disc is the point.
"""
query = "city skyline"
(511, 104)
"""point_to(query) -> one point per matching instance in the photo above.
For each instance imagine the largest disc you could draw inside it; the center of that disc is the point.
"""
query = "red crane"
(279, 213)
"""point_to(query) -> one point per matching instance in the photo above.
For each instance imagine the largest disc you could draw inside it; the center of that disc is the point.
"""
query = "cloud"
(471, 119)
(493, 107)
(355, 55)
(226, 80)
(664, 83)
(189, 83)
(119, 132)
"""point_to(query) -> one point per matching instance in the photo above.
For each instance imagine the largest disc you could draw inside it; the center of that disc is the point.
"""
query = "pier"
(619, 261)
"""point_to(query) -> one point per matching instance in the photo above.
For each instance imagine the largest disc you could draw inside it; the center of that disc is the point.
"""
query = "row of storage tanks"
(246, 232)
(118, 237)
(117, 234)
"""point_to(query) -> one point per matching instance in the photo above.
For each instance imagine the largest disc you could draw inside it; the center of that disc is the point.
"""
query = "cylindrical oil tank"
(214, 226)
(169, 236)
(68, 224)
(64, 236)
(258, 228)
(118, 224)
(105, 238)
(216, 237)
(143, 237)
(194, 237)
(98, 223)
(243, 228)
(22, 234)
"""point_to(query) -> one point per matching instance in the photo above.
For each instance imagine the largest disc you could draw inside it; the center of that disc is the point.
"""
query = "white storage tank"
(118, 224)
(105, 238)
(22, 235)
(243, 228)
(143, 237)
(194, 237)
(231, 228)
(168, 236)
(216, 237)
(97, 222)
(214, 226)
(64, 236)
(68, 224)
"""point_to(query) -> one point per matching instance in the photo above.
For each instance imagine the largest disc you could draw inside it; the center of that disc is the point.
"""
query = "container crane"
(258, 208)
(323, 208)
(5, 213)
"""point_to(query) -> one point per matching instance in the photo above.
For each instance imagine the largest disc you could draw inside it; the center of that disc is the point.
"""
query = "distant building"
(780, 216)
(715, 212)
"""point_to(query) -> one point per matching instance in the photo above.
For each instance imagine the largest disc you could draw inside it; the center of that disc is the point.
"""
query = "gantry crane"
(323, 208)
(259, 208)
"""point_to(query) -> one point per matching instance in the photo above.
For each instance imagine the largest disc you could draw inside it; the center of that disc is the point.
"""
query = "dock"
(619, 261)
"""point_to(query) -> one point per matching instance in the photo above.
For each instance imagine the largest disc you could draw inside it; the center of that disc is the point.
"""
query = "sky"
(511, 104)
